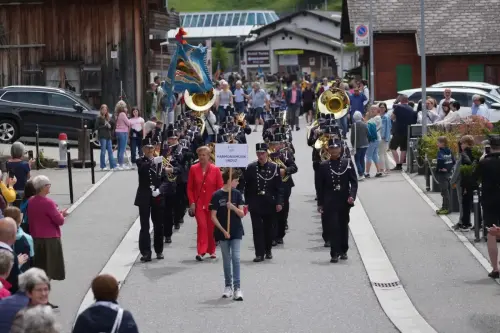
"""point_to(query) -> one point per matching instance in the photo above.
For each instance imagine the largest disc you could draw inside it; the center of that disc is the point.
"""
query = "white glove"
(156, 193)
(158, 160)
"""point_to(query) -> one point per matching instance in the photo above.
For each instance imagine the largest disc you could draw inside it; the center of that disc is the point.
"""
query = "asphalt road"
(299, 290)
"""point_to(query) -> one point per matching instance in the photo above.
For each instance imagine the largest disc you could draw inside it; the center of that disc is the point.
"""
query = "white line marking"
(394, 300)
(465, 241)
(89, 192)
(120, 263)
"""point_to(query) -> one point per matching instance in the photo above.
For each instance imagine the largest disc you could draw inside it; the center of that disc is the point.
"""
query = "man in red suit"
(203, 180)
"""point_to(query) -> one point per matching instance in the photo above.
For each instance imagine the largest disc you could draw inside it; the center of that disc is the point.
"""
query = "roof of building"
(300, 32)
(332, 16)
(452, 27)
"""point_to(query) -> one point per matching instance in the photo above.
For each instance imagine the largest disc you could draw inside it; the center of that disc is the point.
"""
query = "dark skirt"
(49, 257)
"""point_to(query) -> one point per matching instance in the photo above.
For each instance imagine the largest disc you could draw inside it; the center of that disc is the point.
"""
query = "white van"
(487, 87)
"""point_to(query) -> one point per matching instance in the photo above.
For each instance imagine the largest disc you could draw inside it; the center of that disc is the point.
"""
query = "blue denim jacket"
(385, 131)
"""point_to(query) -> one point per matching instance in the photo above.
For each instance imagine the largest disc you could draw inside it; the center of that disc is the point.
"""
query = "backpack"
(372, 132)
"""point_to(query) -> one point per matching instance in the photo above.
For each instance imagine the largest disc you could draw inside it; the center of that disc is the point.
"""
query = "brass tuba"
(334, 101)
(199, 103)
(240, 120)
(279, 162)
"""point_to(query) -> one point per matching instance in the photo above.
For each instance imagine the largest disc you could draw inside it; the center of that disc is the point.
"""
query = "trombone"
(278, 161)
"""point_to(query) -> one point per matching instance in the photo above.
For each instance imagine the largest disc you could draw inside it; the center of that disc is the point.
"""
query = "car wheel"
(8, 131)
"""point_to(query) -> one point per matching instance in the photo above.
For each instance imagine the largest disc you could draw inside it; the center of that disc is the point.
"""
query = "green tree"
(219, 55)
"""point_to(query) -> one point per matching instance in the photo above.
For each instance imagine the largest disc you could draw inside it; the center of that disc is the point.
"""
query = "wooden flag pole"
(229, 200)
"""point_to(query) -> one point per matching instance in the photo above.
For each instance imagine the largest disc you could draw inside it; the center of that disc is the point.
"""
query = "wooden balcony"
(162, 21)
(159, 62)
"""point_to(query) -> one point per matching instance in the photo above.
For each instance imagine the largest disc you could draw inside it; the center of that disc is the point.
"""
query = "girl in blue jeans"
(104, 127)
(230, 242)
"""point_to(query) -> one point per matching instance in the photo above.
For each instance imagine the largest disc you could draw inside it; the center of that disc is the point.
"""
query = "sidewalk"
(59, 191)
(454, 217)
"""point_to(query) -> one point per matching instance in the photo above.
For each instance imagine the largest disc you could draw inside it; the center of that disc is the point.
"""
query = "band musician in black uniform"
(149, 201)
(264, 196)
(287, 169)
(171, 162)
(337, 185)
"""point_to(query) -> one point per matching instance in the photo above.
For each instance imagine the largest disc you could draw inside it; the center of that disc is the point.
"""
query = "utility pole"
(326, 4)
(423, 69)
(372, 72)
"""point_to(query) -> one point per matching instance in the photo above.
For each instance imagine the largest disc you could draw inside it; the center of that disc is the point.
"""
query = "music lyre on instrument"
(278, 161)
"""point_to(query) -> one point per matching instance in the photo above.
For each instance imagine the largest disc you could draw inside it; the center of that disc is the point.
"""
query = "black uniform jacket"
(167, 187)
(336, 181)
(487, 173)
(149, 175)
(290, 166)
(263, 187)
(316, 158)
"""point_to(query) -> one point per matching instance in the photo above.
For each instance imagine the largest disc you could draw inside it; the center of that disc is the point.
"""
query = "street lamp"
(423, 69)
(372, 71)
(239, 55)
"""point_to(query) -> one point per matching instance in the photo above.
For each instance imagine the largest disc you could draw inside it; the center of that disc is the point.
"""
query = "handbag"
(191, 211)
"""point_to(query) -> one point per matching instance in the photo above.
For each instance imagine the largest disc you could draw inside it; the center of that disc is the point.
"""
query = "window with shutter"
(476, 73)
(404, 77)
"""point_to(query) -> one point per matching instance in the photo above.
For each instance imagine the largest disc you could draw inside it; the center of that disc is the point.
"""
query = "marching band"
(169, 166)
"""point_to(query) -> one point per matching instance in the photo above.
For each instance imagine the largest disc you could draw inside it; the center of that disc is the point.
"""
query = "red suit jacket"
(213, 182)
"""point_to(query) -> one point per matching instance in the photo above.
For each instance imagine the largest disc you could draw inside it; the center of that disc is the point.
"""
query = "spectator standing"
(18, 168)
(487, 173)
(403, 116)
(23, 247)
(308, 102)
(29, 191)
(104, 126)
(37, 319)
(444, 167)
(357, 100)
(359, 141)
(8, 230)
(7, 190)
(136, 134)
(210, 127)
(447, 98)
(224, 102)
(45, 221)
(121, 131)
(374, 126)
(385, 137)
(239, 97)
(466, 183)
(293, 101)
(6, 263)
(483, 110)
(105, 315)
(258, 101)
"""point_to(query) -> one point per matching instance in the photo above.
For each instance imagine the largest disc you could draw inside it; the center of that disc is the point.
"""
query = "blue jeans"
(372, 152)
(221, 114)
(121, 137)
(359, 159)
(210, 138)
(135, 148)
(231, 255)
(239, 107)
(342, 122)
(106, 145)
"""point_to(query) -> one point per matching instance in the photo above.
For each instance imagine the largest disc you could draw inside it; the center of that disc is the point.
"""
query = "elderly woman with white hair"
(224, 101)
(18, 168)
(34, 290)
(239, 97)
(38, 319)
(45, 221)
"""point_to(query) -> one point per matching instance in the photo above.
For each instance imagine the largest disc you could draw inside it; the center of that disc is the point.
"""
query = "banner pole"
(229, 200)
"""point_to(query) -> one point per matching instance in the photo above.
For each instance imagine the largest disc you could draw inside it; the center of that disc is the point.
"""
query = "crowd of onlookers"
(31, 256)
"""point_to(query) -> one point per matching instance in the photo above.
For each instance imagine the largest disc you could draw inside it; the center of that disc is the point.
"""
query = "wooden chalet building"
(460, 43)
(100, 49)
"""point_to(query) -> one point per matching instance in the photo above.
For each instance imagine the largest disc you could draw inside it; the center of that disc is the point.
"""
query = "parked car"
(462, 95)
(487, 87)
(23, 109)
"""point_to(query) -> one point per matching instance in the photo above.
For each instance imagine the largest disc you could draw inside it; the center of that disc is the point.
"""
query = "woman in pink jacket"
(122, 129)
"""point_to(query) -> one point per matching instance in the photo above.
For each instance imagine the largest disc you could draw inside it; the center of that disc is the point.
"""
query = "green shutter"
(404, 78)
(476, 73)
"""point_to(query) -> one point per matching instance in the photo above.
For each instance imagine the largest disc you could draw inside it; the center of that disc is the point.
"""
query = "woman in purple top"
(122, 130)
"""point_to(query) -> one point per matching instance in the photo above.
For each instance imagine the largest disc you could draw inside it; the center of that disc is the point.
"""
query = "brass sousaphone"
(199, 103)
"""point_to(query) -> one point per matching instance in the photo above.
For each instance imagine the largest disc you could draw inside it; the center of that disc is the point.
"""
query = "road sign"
(231, 155)
(361, 35)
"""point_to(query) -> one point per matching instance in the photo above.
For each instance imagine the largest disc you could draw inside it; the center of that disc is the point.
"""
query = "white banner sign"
(231, 155)
(361, 35)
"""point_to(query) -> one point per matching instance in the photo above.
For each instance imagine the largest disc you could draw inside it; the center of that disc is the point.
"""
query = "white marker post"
(231, 156)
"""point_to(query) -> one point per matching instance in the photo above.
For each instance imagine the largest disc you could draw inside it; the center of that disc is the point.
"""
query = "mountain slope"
(277, 5)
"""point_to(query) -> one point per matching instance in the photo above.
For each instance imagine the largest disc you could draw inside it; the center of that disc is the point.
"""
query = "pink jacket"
(44, 218)
(122, 123)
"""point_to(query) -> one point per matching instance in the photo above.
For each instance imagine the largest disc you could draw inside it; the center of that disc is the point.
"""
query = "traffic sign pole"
(423, 67)
(372, 72)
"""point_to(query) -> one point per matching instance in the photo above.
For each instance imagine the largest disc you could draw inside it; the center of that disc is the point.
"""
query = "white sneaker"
(238, 295)
(228, 292)
(126, 167)
(361, 178)
(105, 169)
(119, 167)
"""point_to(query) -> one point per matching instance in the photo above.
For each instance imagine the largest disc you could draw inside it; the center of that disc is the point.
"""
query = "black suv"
(54, 110)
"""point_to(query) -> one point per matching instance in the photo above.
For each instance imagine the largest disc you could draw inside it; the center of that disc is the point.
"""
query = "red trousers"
(205, 241)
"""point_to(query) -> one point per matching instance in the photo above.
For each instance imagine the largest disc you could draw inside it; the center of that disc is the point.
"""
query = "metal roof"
(320, 38)
(224, 23)
(452, 27)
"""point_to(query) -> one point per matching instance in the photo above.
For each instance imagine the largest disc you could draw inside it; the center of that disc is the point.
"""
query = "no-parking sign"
(361, 35)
